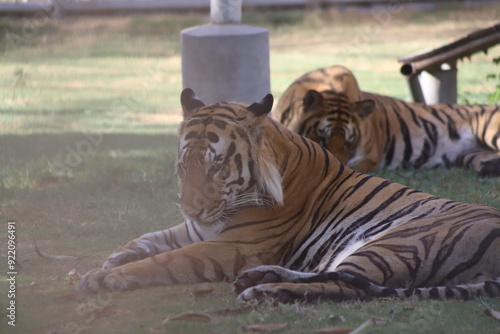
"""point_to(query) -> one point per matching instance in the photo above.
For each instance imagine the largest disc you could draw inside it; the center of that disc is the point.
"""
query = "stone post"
(440, 85)
(226, 60)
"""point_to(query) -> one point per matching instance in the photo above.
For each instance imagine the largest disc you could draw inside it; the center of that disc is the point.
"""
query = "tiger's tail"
(488, 288)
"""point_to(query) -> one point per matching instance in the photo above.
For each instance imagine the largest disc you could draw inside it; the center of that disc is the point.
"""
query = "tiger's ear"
(262, 107)
(364, 108)
(312, 99)
(190, 103)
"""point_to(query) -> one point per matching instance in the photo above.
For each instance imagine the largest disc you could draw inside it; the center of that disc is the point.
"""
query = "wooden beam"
(463, 47)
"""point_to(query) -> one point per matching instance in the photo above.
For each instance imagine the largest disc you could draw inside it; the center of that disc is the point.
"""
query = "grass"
(122, 74)
(119, 77)
(124, 189)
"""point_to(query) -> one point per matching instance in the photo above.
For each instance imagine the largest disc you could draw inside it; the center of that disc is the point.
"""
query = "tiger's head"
(221, 166)
(333, 121)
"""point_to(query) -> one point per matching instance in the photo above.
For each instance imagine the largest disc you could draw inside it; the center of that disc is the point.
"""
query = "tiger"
(369, 132)
(279, 217)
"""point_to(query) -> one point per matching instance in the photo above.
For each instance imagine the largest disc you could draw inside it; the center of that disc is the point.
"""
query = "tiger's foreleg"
(485, 162)
(367, 160)
(158, 242)
(196, 263)
(366, 165)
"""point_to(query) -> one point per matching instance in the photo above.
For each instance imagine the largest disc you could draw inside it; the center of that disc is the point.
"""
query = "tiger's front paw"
(126, 255)
(489, 168)
(97, 281)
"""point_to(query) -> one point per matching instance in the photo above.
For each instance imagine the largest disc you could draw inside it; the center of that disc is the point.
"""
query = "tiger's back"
(369, 131)
(415, 135)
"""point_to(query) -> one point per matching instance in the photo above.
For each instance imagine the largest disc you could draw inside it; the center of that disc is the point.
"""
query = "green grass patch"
(126, 187)
(88, 119)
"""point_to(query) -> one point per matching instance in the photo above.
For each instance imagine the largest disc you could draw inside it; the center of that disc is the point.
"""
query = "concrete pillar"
(226, 60)
(440, 85)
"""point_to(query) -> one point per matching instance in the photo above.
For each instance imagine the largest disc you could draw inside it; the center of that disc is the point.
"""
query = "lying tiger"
(369, 131)
(283, 217)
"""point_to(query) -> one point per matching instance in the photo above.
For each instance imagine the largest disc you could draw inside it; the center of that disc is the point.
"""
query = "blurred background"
(115, 66)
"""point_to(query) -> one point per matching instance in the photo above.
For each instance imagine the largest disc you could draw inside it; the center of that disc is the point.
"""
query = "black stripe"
(390, 151)
(434, 293)
(452, 239)
(218, 270)
(464, 293)
(198, 267)
(326, 167)
(169, 239)
(482, 248)
(494, 141)
(492, 288)
(435, 113)
(408, 148)
(452, 129)
(387, 292)
(388, 221)
(284, 115)
(360, 221)
(449, 294)
(306, 143)
(190, 135)
(426, 153)
(409, 293)
(486, 125)
(378, 261)
(408, 108)
(195, 230)
(166, 265)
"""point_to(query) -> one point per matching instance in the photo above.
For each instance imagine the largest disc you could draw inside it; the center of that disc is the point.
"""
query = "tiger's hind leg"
(286, 286)
(339, 286)
(304, 292)
(422, 257)
(485, 162)
(267, 274)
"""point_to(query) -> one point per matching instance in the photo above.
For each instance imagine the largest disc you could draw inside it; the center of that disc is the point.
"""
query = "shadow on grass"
(29, 147)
